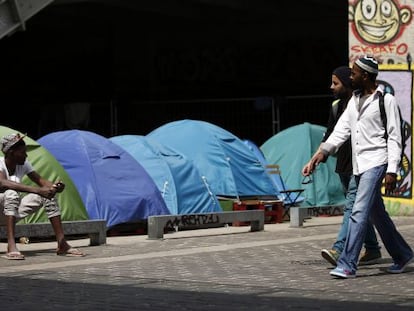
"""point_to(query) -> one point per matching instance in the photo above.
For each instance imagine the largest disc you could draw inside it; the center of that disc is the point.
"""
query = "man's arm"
(309, 167)
(58, 186)
(317, 158)
(330, 144)
(6, 184)
(44, 191)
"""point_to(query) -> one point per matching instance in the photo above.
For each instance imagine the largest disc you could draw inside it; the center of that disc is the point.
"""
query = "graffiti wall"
(385, 29)
(400, 83)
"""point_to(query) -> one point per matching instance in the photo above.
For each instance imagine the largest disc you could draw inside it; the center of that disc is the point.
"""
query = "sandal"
(70, 252)
(14, 256)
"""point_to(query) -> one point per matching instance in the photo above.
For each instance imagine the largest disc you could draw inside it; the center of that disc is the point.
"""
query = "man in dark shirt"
(342, 91)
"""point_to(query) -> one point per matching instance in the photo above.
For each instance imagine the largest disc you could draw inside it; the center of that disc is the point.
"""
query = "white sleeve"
(27, 168)
(340, 134)
(394, 133)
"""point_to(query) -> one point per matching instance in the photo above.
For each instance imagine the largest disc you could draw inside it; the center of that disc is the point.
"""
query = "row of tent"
(182, 167)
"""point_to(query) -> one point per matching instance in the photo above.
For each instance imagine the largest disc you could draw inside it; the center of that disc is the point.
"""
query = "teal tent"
(291, 149)
(47, 166)
(292, 197)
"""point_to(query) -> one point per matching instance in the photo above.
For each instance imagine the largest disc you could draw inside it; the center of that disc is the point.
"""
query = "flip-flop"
(70, 252)
(13, 256)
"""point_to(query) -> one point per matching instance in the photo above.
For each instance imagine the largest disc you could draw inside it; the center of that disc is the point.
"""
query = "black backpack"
(405, 127)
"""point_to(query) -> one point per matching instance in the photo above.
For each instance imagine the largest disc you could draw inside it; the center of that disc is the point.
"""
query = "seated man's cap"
(10, 140)
(368, 63)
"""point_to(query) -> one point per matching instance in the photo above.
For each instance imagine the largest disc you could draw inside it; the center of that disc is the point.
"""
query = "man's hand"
(59, 186)
(390, 183)
(313, 163)
(307, 170)
(47, 192)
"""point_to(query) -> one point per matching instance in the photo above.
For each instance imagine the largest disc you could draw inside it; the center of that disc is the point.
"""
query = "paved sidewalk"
(211, 269)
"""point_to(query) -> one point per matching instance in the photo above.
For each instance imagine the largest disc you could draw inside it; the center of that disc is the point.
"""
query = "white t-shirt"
(19, 173)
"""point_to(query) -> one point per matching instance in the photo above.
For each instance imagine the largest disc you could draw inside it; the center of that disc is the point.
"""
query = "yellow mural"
(382, 28)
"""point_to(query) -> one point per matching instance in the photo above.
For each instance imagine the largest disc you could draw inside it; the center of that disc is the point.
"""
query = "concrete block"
(157, 224)
(95, 228)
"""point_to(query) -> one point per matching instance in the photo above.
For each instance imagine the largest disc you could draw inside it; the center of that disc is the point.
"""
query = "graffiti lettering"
(391, 48)
(186, 221)
(326, 211)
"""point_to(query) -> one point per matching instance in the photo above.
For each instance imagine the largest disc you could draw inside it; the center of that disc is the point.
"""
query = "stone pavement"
(225, 268)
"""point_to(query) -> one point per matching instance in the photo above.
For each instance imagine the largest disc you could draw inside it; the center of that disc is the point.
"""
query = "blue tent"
(178, 180)
(227, 165)
(291, 149)
(111, 183)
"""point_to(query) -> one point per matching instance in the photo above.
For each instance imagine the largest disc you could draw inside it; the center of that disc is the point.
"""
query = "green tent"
(47, 166)
(291, 149)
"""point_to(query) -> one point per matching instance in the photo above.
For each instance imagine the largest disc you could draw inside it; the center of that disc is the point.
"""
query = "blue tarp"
(225, 162)
(291, 149)
(111, 183)
(178, 180)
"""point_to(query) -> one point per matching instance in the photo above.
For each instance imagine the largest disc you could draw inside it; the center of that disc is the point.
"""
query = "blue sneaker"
(399, 268)
(342, 273)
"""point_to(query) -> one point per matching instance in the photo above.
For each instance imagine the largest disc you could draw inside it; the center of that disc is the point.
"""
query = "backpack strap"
(382, 112)
(335, 107)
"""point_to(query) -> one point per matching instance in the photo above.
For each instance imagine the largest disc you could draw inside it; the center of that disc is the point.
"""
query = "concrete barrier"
(158, 224)
(95, 228)
(297, 214)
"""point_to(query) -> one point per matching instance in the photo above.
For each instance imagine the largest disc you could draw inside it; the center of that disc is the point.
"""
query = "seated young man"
(13, 167)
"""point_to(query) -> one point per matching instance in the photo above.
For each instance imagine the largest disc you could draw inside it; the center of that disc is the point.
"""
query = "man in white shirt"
(13, 167)
(373, 158)
(342, 90)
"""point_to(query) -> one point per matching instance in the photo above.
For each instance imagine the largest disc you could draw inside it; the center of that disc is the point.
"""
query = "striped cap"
(368, 63)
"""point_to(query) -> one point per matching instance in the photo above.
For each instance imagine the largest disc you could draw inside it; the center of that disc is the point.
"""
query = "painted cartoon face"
(377, 21)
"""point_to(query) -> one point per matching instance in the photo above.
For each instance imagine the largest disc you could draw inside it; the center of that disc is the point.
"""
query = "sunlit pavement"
(225, 268)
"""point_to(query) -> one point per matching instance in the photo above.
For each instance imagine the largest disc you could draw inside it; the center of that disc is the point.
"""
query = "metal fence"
(247, 118)
(256, 119)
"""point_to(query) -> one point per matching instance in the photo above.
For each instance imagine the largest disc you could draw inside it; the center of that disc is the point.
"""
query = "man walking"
(342, 91)
(375, 154)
